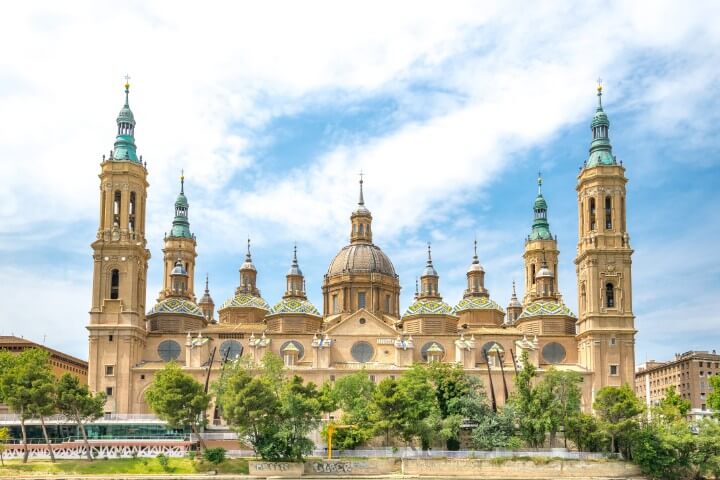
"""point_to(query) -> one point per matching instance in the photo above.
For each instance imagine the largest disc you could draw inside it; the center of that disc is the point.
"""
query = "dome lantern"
(125, 149)
(600, 147)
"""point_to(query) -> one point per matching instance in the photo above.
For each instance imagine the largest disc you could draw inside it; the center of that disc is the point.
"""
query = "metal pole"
(502, 371)
(492, 388)
(514, 361)
(207, 379)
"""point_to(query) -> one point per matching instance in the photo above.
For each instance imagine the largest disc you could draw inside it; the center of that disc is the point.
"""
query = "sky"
(273, 108)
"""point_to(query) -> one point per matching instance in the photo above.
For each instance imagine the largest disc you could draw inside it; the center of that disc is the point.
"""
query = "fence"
(559, 453)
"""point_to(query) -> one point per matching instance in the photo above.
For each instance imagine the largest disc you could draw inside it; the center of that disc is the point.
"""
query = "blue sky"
(272, 111)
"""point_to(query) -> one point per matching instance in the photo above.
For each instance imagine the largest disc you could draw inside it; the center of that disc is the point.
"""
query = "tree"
(618, 408)
(4, 438)
(350, 394)
(706, 456)
(584, 430)
(713, 399)
(672, 407)
(28, 386)
(274, 413)
(663, 451)
(563, 398)
(179, 399)
(494, 430)
(532, 421)
(419, 414)
(386, 407)
(75, 401)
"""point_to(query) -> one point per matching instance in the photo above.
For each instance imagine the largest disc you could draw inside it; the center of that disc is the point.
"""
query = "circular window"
(230, 350)
(486, 350)
(362, 321)
(553, 353)
(169, 350)
(362, 352)
(424, 349)
(298, 345)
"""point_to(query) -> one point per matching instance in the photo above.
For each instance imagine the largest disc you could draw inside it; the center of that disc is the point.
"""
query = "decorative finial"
(539, 182)
(207, 283)
(416, 287)
(475, 255)
(514, 295)
(248, 258)
(295, 260)
(429, 260)
(599, 90)
(127, 88)
(361, 201)
(182, 181)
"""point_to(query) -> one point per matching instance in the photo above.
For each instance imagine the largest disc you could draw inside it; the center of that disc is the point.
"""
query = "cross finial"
(514, 294)
(182, 181)
(247, 257)
(475, 255)
(207, 283)
(127, 88)
(599, 90)
(361, 201)
(429, 260)
(539, 182)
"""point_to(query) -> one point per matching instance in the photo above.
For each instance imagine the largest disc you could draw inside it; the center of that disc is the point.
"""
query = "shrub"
(191, 455)
(215, 455)
(164, 462)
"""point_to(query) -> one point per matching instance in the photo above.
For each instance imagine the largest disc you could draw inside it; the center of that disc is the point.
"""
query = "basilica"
(361, 323)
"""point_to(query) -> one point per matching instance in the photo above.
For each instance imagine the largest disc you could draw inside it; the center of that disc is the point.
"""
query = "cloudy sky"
(450, 109)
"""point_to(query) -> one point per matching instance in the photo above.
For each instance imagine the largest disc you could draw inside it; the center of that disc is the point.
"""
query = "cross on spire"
(361, 201)
(182, 181)
(539, 182)
(599, 90)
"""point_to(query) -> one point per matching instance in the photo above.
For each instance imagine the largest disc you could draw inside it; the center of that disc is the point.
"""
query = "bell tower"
(117, 314)
(606, 324)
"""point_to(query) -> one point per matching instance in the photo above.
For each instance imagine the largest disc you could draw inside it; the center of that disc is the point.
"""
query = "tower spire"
(181, 222)
(600, 147)
(125, 149)
(248, 257)
(475, 255)
(361, 200)
(540, 226)
(182, 181)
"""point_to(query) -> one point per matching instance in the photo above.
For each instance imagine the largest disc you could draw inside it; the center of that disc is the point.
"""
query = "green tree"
(584, 430)
(386, 408)
(75, 401)
(713, 399)
(28, 387)
(179, 399)
(250, 405)
(672, 407)
(618, 409)
(350, 394)
(419, 415)
(4, 438)
(274, 413)
(528, 405)
(562, 396)
(494, 430)
(706, 456)
(664, 451)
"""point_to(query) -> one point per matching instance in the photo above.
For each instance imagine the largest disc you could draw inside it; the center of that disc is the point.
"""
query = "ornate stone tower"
(606, 330)
(179, 245)
(117, 315)
(540, 246)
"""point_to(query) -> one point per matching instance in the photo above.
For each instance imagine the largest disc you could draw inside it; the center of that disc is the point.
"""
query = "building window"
(335, 303)
(592, 214)
(362, 352)
(142, 377)
(332, 378)
(608, 213)
(131, 213)
(372, 378)
(114, 284)
(610, 295)
(613, 341)
(532, 273)
(361, 299)
(387, 303)
(613, 370)
(168, 350)
(116, 210)
(110, 338)
(109, 391)
(703, 407)
(109, 370)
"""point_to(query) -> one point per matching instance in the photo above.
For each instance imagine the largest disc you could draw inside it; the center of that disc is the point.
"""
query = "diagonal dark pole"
(502, 371)
(207, 379)
(492, 388)
(514, 361)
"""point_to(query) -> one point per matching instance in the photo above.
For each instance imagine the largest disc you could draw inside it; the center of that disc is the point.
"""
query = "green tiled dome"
(429, 307)
(177, 306)
(294, 305)
(477, 303)
(545, 307)
(245, 300)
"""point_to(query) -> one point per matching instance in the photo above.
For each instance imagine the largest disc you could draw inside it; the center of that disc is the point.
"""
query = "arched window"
(362, 229)
(592, 214)
(610, 295)
(115, 284)
(131, 213)
(608, 213)
(116, 209)
(532, 273)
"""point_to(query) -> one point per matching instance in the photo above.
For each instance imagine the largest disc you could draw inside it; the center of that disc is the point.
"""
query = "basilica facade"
(361, 323)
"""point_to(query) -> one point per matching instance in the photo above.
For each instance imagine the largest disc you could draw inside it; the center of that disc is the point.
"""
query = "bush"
(164, 462)
(215, 456)
(191, 455)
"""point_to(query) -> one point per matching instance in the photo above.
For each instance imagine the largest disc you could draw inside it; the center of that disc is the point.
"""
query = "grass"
(120, 466)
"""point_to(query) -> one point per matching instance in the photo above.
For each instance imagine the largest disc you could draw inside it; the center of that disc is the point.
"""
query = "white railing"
(12, 418)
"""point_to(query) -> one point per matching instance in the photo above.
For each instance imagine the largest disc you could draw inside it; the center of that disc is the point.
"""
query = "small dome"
(294, 306)
(514, 303)
(361, 258)
(126, 115)
(600, 118)
(429, 307)
(429, 271)
(245, 301)
(475, 267)
(477, 303)
(600, 157)
(546, 307)
(540, 203)
(177, 306)
(544, 272)
(179, 269)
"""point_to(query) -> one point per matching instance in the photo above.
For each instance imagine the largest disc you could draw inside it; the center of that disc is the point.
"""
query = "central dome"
(361, 258)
